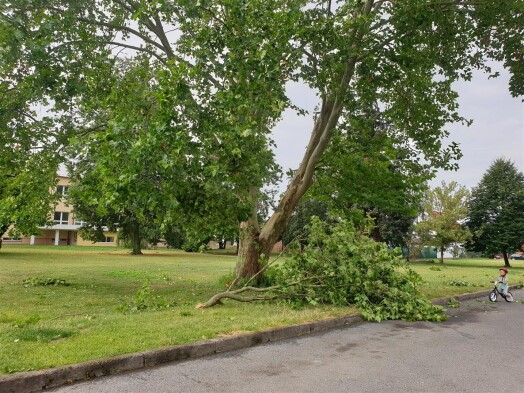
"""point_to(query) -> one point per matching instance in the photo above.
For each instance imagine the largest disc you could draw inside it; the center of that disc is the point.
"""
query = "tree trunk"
(506, 259)
(135, 239)
(441, 254)
(248, 263)
(259, 244)
(256, 245)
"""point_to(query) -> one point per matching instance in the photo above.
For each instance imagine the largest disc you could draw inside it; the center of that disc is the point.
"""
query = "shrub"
(342, 265)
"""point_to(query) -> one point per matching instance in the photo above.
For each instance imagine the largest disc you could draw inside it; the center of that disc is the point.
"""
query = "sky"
(497, 129)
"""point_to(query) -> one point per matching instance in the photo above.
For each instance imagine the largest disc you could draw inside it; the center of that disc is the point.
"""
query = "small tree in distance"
(495, 211)
(444, 211)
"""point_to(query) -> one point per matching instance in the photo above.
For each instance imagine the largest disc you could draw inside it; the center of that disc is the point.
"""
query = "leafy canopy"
(495, 211)
(444, 210)
(223, 67)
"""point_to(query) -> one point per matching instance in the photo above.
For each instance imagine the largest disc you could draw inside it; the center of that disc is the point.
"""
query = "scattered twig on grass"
(68, 315)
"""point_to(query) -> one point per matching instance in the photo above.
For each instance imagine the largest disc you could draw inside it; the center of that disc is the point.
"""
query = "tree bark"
(135, 239)
(506, 259)
(248, 263)
(441, 254)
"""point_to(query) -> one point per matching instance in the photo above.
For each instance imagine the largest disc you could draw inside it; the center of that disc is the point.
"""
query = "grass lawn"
(46, 326)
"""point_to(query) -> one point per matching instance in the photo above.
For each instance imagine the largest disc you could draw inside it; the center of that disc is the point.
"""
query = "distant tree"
(444, 209)
(298, 226)
(395, 229)
(496, 211)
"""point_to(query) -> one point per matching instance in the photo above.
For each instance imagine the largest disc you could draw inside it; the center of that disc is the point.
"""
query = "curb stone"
(35, 381)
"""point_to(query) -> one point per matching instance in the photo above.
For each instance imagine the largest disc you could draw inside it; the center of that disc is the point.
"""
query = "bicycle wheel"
(508, 297)
(492, 296)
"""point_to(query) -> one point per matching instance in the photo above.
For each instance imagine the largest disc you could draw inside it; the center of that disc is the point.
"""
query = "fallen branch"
(236, 295)
(276, 289)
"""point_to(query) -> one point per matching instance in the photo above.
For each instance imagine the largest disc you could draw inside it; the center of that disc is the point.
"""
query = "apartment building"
(64, 231)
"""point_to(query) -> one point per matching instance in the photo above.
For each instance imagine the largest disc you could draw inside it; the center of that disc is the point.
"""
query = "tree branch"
(159, 31)
(124, 28)
(137, 48)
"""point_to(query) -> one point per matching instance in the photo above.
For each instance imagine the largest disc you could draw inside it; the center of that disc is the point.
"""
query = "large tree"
(444, 210)
(29, 143)
(131, 175)
(495, 211)
(227, 63)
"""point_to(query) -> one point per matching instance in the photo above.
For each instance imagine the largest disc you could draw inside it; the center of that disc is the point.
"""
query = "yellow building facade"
(64, 231)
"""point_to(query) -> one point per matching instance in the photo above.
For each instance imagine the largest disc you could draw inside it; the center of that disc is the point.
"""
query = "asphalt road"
(480, 348)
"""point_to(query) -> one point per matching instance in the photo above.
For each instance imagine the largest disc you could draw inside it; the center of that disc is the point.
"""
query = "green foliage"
(444, 210)
(453, 303)
(297, 229)
(495, 211)
(435, 268)
(369, 166)
(145, 299)
(37, 281)
(342, 265)
(458, 283)
(25, 180)
(211, 94)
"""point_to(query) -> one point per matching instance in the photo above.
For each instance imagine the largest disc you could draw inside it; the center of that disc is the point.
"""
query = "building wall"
(113, 235)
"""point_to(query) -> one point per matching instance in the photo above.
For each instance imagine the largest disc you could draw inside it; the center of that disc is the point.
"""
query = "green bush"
(342, 265)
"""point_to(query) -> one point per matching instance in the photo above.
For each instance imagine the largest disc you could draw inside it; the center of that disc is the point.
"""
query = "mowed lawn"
(93, 316)
(46, 326)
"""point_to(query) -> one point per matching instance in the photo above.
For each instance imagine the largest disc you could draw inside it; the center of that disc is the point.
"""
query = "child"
(502, 280)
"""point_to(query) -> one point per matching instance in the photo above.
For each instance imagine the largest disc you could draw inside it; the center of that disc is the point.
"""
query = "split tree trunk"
(255, 245)
(258, 244)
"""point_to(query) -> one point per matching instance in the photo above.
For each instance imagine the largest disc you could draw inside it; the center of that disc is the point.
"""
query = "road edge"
(36, 381)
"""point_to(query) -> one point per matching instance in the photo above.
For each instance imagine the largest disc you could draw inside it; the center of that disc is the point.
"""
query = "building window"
(108, 239)
(62, 190)
(79, 223)
(61, 218)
